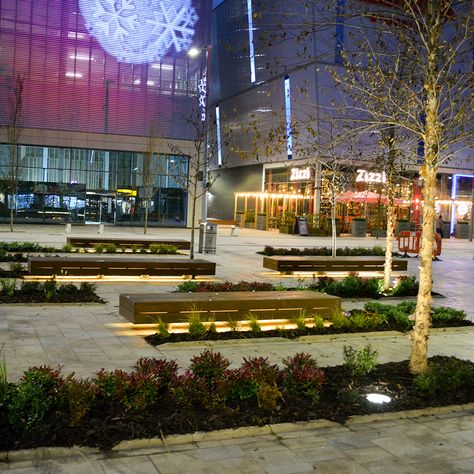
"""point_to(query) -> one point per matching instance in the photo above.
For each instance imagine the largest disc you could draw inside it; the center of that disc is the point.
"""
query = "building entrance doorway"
(100, 208)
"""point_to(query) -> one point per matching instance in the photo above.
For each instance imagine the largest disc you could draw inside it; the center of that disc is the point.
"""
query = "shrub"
(318, 322)
(196, 327)
(187, 287)
(210, 366)
(360, 361)
(70, 289)
(163, 371)
(40, 390)
(99, 248)
(154, 248)
(87, 288)
(302, 377)
(255, 381)
(132, 391)
(8, 287)
(3, 376)
(300, 321)
(446, 375)
(162, 328)
(444, 314)
(135, 248)
(16, 269)
(67, 248)
(254, 323)
(50, 288)
(111, 248)
(80, 397)
(407, 285)
(30, 287)
(339, 320)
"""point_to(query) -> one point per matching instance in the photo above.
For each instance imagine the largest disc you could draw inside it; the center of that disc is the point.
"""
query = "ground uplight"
(378, 398)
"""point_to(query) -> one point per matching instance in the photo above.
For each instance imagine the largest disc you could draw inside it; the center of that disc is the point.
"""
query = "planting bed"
(46, 409)
(47, 292)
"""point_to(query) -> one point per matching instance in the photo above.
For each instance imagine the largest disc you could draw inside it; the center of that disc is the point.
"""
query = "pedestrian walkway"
(86, 338)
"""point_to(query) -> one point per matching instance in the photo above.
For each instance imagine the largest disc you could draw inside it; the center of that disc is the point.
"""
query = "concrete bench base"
(121, 266)
(289, 264)
(146, 308)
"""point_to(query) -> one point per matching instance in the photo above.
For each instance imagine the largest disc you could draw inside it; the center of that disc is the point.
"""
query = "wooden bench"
(288, 264)
(89, 242)
(221, 221)
(146, 308)
(123, 266)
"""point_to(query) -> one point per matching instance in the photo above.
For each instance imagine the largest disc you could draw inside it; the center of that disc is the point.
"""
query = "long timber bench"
(120, 266)
(88, 242)
(146, 308)
(289, 264)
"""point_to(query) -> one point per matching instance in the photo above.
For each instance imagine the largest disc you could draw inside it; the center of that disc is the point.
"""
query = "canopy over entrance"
(366, 197)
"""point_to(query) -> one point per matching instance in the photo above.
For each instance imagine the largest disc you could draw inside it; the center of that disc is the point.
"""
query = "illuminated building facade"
(273, 76)
(100, 80)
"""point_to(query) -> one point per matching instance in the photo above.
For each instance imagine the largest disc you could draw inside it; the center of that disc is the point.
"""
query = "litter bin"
(207, 237)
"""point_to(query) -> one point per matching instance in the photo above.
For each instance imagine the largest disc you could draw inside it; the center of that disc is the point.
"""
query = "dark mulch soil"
(342, 396)
(58, 298)
(157, 339)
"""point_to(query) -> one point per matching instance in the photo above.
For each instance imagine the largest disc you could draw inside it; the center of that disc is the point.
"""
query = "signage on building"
(202, 89)
(364, 176)
(300, 174)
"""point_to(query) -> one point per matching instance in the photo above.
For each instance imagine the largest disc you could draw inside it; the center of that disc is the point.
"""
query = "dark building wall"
(230, 181)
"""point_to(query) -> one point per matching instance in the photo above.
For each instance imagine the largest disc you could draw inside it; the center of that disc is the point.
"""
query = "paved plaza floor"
(86, 338)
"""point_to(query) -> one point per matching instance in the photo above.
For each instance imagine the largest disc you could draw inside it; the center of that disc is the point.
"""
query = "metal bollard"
(234, 231)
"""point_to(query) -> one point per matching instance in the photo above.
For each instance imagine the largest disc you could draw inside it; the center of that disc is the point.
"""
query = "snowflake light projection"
(140, 31)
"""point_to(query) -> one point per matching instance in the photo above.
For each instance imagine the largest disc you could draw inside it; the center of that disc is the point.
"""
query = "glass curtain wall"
(93, 186)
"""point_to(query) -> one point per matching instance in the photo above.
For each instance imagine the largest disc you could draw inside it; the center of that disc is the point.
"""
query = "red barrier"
(409, 242)
(438, 244)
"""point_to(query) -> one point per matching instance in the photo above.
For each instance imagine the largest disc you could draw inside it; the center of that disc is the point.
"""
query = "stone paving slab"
(412, 445)
(86, 338)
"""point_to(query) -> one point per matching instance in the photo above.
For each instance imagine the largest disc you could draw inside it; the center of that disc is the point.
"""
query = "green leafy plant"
(135, 248)
(339, 319)
(302, 377)
(196, 326)
(50, 288)
(162, 328)
(3, 375)
(16, 269)
(81, 395)
(407, 285)
(360, 361)
(99, 248)
(30, 287)
(87, 288)
(40, 390)
(210, 366)
(187, 287)
(318, 322)
(110, 248)
(300, 321)
(67, 248)
(8, 286)
(254, 323)
(448, 375)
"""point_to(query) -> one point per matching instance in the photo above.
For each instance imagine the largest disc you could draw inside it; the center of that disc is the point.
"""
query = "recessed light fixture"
(378, 398)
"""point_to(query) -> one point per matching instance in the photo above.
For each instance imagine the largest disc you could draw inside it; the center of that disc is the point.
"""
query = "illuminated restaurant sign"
(298, 174)
(364, 176)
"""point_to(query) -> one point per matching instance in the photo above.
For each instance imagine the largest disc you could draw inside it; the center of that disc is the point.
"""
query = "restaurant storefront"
(291, 191)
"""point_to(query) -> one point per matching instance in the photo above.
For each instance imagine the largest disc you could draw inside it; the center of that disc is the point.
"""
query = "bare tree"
(432, 104)
(13, 118)
(147, 175)
(205, 146)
